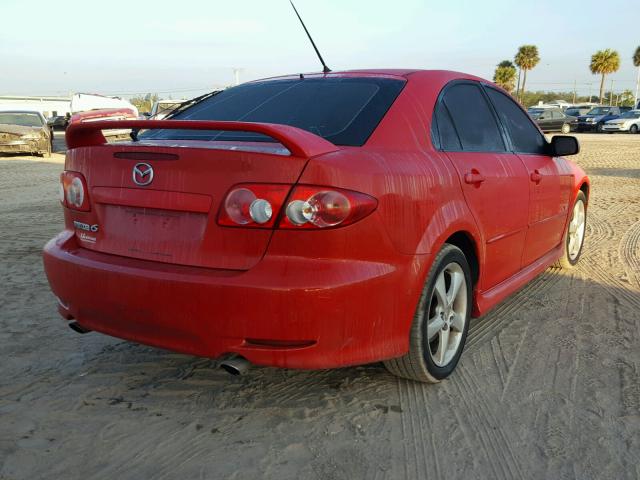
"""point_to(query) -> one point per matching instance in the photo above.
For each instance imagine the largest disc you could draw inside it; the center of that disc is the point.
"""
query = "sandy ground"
(548, 387)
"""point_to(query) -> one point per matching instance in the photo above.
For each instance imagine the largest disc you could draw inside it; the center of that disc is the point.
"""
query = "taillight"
(73, 191)
(307, 207)
(310, 207)
(253, 205)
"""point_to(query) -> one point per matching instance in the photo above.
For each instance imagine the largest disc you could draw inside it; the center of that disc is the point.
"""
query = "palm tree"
(636, 63)
(604, 62)
(526, 58)
(505, 75)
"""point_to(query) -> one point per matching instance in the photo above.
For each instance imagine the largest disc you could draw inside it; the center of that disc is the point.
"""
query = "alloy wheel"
(447, 314)
(576, 229)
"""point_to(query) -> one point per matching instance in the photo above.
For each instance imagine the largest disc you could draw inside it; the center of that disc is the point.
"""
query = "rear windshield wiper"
(184, 105)
(180, 108)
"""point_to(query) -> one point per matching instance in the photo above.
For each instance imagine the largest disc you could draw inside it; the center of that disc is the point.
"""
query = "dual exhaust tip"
(234, 364)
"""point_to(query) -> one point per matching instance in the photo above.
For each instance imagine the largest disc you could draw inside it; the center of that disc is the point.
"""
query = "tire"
(566, 128)
(426, 361)
(571, 252)
(48, 152)
(633, 129)
(599, 128)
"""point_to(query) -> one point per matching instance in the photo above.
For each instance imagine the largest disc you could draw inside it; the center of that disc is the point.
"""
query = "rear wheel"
(441, 322)
(633, 129)
(566, 128)
(574, 236)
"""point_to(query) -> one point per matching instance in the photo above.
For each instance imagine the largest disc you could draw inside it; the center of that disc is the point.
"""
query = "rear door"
(558, 120)
(494, 181)
(549, 179)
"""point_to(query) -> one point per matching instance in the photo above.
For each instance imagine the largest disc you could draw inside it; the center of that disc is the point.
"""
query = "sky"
(182, 49)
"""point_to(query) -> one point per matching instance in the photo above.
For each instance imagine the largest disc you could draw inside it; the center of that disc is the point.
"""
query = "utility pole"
(236, 74)
(518, 89)
(635, 99)
(574, 92)
(611, 93)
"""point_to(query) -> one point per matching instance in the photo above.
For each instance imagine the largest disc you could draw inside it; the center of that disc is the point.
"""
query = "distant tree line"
(144, 103)
(512, 76)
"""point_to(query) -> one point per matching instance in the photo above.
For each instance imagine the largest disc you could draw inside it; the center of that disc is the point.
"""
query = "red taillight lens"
(307, 207)
(310, 207)
(253, 205)
(73, 191)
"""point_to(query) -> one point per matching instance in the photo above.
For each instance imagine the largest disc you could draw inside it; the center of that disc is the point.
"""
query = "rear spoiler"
(300, 143)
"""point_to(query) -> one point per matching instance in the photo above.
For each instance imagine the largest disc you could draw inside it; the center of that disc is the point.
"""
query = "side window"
(449, 139)
(526, 138)
(473, 120)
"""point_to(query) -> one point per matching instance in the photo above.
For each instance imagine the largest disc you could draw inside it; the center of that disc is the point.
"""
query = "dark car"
(59, 122)
(597, 116)
(552, 119)
(23, 131)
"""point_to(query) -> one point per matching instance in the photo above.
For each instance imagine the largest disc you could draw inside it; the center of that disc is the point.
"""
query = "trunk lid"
(170, 215)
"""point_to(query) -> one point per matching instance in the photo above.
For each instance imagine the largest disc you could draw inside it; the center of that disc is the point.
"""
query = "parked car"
(25, 131)
(106, 114)
(627, 122)
(597, 116)
(314, 222)
(561, 104)
(59, 122)
(578, 110)
(552, 119)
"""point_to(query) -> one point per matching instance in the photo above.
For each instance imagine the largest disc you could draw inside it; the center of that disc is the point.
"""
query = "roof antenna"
(325, 69)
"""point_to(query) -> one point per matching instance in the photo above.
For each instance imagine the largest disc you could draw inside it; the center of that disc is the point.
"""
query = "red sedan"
(315, 221)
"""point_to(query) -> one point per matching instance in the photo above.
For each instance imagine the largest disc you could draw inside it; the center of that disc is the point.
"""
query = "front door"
(550, 182)
(548, 179)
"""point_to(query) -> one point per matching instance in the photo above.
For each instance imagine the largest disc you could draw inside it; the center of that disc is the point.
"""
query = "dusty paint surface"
(548, 387)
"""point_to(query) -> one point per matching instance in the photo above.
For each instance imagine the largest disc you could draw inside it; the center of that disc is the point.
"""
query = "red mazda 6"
(315, 221)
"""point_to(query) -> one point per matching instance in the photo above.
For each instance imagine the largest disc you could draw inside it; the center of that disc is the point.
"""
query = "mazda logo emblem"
(142, 174)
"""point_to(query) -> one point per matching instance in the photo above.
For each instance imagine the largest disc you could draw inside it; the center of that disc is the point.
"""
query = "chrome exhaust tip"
(76, 327)
(235, 365)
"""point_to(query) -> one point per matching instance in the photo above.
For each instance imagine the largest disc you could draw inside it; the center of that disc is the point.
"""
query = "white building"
(48, 106)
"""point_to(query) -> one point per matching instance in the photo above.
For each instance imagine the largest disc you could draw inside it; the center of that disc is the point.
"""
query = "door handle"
(536, 176)
(474, 177)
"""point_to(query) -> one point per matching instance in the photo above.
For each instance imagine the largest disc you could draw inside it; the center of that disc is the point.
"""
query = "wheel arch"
(465, 242)
(584, 188)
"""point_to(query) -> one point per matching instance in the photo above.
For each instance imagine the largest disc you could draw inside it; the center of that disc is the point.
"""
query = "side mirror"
(563, 145)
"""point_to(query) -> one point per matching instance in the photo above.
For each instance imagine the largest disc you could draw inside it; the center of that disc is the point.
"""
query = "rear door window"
(525, 136)
(473, 119)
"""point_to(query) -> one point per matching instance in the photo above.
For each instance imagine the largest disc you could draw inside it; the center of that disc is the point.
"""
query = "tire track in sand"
(630, 252)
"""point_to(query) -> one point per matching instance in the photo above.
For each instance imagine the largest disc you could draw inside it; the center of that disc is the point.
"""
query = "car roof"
(437, 76)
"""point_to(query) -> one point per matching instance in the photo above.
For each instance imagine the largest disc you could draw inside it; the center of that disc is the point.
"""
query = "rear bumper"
(286, 311)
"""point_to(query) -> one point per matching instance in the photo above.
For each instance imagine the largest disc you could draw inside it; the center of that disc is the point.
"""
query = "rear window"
(344, 111)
